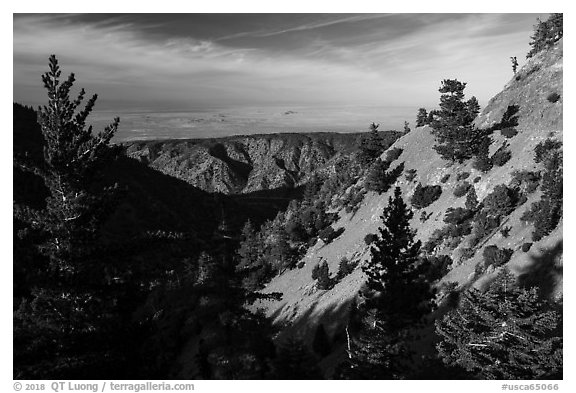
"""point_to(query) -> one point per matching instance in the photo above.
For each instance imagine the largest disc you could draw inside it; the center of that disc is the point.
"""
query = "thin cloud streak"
(304, 27)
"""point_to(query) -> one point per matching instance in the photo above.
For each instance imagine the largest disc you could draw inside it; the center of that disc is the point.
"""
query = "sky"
(181, 62)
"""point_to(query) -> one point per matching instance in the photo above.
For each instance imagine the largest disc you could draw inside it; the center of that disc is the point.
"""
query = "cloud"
(302, 27)
(312, 60)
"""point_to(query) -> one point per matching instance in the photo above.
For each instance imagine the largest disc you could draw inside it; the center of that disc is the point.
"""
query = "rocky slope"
(304, 307)
(245, 164)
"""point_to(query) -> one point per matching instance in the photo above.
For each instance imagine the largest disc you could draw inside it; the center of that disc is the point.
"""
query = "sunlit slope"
(304, 307)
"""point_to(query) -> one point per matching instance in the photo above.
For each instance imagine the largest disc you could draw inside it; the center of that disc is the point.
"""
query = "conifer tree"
(376, 353)
(506, 332)
(395, 298)
(546, 33)
(456, 138)
(371, 146)
(514, 61)
(422, 117)
(402, 295)
(471, 199)
(80, 294)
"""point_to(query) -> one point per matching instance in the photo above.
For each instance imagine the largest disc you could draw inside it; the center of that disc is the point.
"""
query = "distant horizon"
(225, 122)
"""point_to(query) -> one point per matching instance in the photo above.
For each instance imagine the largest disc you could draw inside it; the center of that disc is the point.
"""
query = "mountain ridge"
(249, 163)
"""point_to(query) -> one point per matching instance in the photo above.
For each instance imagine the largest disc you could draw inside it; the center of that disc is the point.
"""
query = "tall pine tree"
(371, 145)
(456, 138)
(76, 298)
(395, 298)
(399, 294)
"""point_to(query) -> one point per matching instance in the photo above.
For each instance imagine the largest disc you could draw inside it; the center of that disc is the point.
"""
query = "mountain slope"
(245, 164)
(304, 307)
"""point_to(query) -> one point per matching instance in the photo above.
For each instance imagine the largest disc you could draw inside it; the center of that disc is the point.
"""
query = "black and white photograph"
(287, 196)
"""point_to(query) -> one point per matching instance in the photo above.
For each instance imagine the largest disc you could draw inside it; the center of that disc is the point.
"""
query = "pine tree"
(395, 298)
(376, 178)
(399, 294)
(514, 61)
(546, 34)
(251, 262)
(422, 117)
(376, 353)
(406, 127)
(506, 332)
(456, 138)
(321, 273)
(78, 307)
(249, 250)
(371, 145)
(471, 199)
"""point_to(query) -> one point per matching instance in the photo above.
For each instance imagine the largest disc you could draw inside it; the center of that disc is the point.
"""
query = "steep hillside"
(304, 307)
(246, 164)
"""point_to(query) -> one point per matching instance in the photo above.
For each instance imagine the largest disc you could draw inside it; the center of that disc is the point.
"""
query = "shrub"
(453, 232)
(457, 215)
(436, 239)
(509, 132)
(393, 154)
(321, 273)
(328, 234)
(459, 230)
(484, 224)
(471, 200)
(378, 179)
(345, 267)
(353, 199)
(370, 238)
(501, 201)
(553, 97)
(436, 267)
(462, 189)
(526, 181)
(496, 256)
(505, 232)
(545, 215)
(425, 196)
(463, 176)
(482, 163)
(477, 179)
(410, 175)
(467, 253)
(543, 149)
(425, 216)
(501, 156)
(526, 247)
(479, 269)
(445, 178)
(301, 264)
